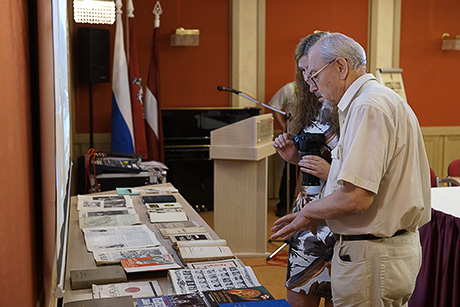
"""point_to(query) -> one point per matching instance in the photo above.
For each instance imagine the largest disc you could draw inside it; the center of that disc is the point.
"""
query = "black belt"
(367, 236)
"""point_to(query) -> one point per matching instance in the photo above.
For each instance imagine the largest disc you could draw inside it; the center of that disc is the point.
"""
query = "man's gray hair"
(338, 45)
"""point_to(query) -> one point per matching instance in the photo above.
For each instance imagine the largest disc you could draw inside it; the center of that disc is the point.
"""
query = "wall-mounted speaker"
(93, 55)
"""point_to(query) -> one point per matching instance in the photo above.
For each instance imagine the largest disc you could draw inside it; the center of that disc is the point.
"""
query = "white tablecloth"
(446, 199)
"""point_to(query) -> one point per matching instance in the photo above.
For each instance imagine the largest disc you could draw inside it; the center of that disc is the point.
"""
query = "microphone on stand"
(220, 88)
(240, 93)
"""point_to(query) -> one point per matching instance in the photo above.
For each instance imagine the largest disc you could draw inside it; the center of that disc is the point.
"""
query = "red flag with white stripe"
(135, 87)
(154, 129)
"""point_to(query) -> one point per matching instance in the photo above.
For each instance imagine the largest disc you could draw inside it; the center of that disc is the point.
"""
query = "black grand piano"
(187, 135)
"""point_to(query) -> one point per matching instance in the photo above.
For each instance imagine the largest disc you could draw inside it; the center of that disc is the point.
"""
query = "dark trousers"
(292, 185)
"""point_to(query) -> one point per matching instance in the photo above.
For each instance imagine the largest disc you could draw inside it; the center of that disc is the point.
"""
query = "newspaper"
(122, 237)
(88, 213)
(192, 280)
(98, 202)
(114, 256)
(109, 220)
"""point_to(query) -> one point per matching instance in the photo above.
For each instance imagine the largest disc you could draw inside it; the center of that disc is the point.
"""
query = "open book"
(203, 250)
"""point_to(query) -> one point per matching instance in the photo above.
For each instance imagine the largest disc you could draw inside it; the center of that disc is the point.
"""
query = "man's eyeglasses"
(311, 80)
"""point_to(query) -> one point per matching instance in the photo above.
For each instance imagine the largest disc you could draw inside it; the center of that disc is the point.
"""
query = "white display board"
(392, 78)
(62, 136)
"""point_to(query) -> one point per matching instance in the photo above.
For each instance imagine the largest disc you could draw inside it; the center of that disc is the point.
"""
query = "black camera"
(309, 144)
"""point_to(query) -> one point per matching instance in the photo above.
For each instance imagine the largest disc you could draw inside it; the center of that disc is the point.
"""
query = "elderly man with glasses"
(378, 191)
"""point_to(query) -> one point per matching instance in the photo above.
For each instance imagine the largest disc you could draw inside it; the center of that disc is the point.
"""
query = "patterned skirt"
(309, 257)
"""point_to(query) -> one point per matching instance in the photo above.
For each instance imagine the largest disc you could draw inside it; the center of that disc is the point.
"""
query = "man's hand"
(289, 224)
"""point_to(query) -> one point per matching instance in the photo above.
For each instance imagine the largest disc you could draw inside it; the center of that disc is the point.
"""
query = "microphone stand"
(263, 104)
(287, 117)
(220, 88)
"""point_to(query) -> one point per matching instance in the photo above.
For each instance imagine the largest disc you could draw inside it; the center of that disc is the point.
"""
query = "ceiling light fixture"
(94, 11)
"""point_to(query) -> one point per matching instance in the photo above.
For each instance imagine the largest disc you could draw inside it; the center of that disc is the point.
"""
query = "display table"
(439, 277)
(79, 258)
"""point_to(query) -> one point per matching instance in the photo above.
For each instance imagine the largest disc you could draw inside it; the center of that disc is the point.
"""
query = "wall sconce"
(450, 43)
(94, 11)
(185, 37)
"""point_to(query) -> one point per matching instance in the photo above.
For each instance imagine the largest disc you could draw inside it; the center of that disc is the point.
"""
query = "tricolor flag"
(154, 130)
(122, 119)
(135, 87)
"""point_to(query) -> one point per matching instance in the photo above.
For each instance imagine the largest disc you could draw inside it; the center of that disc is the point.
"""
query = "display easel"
(240, 152)
(392, 78)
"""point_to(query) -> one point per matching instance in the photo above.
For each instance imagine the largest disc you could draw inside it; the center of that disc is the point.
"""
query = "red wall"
(289, 21)
(189, 75)
(430, 74)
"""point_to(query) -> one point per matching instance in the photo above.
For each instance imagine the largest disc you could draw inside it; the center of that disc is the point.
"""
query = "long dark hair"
(306, 106)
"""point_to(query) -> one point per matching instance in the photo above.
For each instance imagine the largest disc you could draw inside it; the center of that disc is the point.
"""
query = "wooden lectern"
(240, 152)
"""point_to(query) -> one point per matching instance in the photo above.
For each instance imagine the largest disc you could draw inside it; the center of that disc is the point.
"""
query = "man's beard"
(327, 103)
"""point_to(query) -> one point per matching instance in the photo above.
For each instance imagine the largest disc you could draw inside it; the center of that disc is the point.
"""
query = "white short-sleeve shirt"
(381, 150)
(283, 98)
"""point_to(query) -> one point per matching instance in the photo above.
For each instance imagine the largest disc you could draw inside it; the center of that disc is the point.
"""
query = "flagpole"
(129, 14)
(152, 105)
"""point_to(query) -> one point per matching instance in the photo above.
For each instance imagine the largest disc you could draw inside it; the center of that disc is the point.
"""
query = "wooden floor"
(270, 274)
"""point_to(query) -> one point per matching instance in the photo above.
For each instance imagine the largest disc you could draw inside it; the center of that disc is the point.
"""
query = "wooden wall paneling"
(434, 149)
(451, 151)
(442, 147)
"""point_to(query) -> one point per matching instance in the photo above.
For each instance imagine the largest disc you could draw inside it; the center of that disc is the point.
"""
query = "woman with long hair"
(308, 277)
